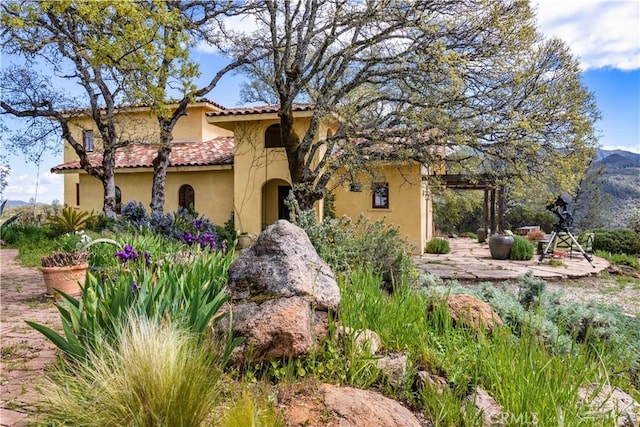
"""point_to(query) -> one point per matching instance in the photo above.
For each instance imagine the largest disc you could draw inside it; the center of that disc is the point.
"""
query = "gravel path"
(25, 353)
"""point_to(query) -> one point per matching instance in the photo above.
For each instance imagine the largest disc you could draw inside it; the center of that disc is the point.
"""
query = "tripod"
(554, 235)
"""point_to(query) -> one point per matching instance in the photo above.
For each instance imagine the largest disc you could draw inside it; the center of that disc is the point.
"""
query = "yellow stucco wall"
(254, 166)
(213, 191)
(138, 125)
(408, 205)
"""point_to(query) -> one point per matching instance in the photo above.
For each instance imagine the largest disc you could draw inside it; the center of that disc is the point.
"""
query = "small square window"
(380, 195)
(87, 137)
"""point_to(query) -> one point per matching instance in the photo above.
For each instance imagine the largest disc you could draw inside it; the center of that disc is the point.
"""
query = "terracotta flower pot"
(500, 246)
(67, 279)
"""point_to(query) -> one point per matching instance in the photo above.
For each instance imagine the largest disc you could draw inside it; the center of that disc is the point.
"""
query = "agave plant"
(70, 220)
(9, 220)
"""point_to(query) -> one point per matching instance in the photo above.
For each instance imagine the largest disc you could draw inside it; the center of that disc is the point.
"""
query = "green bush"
(619, 259)
(617, 241)
(347, 245)
(520, 216)
(437, 246)
(522, 249)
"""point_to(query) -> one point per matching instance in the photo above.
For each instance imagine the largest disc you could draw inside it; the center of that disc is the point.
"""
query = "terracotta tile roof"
(218, 151)
(257, 110)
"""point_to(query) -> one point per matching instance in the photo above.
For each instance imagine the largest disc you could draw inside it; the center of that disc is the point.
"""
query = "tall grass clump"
(157, 375)
(533, 366)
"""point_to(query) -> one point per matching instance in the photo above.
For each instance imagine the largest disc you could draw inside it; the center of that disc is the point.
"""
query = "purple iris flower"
(127, 254)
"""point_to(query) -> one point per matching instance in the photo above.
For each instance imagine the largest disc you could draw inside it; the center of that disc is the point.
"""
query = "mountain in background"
(17, 203)
(610, 191)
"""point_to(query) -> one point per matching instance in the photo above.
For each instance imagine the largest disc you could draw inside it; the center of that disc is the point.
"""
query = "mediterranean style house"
(228, 161)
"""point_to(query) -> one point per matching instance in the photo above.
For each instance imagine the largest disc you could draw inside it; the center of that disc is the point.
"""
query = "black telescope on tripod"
(560, 208)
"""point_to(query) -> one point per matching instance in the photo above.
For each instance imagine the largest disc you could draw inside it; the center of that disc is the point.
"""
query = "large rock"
(279, 293)
(607, 401)
(275, 329)
(490, 410)
(283, 263)
(329, 405)
(473, 312)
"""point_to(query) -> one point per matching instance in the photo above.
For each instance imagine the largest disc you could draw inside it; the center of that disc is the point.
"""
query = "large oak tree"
(469, 76)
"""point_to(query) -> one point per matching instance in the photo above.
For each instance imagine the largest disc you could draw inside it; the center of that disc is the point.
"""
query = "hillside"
(612, 190)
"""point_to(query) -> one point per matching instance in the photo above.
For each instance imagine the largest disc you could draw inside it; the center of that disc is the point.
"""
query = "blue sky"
(604, 34)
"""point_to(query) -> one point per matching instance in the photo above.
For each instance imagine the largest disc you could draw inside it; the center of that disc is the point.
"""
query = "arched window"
(272, 137)
(186, 197)
(118, 201)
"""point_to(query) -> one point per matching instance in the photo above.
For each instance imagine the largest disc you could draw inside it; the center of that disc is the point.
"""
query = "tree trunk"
(109, 186)
(160, 166)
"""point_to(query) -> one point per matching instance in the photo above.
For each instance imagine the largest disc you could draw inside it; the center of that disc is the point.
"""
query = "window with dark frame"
(272, 137)
(87, 137)
(186, 197)
(380, 195)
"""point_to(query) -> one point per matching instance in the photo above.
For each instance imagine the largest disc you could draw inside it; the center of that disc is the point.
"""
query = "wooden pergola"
(493, 204)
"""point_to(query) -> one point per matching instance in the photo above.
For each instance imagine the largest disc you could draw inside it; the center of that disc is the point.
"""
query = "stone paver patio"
(470, 260)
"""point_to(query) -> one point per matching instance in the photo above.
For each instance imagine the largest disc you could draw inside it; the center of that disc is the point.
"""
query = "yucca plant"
(70, 220)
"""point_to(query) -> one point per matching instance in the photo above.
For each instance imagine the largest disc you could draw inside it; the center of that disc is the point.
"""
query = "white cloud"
(23, 187)
(602, 33)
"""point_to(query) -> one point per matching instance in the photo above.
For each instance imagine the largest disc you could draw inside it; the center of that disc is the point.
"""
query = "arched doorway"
(274, 193)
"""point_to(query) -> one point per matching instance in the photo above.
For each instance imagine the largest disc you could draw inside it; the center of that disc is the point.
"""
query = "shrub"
(535, 235)
(157, 375)
(522, 249)
(437, 246)
(620, 241)
(185, 225)
(346, 245)
(520, 216)
(469, 234)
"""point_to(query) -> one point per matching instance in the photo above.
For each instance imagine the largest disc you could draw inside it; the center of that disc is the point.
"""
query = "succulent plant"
(65, 259)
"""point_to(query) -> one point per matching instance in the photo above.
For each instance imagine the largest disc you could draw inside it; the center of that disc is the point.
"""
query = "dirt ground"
(25, 353)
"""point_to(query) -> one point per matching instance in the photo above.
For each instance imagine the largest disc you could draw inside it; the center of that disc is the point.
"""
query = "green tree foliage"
(87, 43)
(457, 211)
(119, 52)
(404, 77)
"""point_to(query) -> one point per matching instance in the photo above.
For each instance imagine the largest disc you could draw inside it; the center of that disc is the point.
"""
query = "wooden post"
(500, 209)
(492, 213)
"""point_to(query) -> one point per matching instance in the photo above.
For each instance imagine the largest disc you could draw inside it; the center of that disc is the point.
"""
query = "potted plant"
(65, 271)
(500, 245)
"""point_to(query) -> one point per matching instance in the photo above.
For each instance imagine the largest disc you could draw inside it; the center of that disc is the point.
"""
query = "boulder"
(272, 330)
(283, 263)
(427, 379)
(473, 312)
(394, 368)
(490, 410)
(279, 293)
(611, 402)
(363, 341)
(329, 405)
